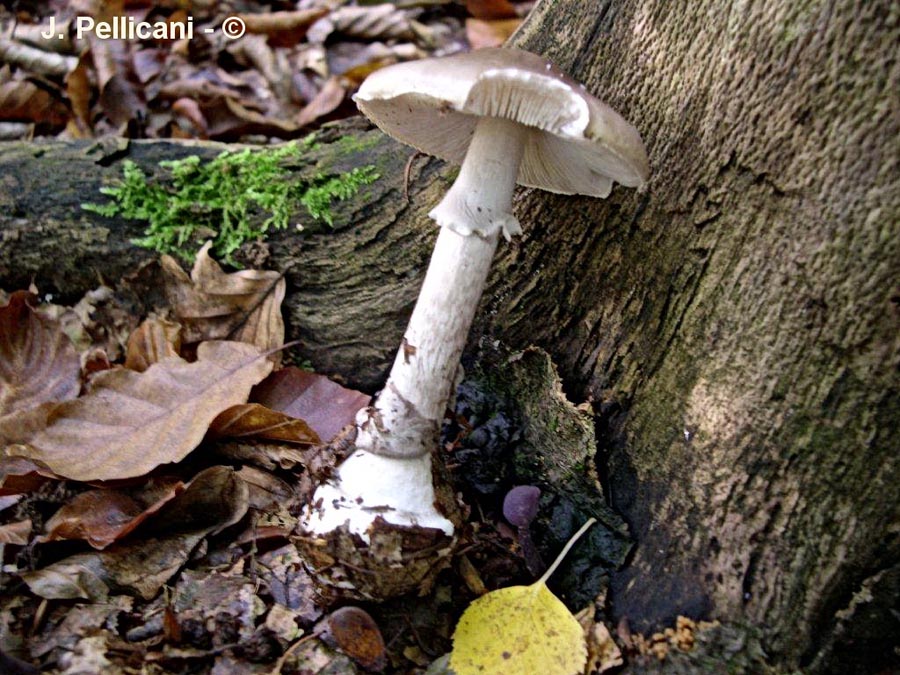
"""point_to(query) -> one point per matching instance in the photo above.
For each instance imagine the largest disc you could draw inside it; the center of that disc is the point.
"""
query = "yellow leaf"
(520, 629)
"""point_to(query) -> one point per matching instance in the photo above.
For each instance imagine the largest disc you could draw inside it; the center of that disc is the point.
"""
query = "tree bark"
(737, 327)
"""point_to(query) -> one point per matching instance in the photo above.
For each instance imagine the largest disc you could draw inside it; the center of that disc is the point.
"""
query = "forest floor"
(124, 553)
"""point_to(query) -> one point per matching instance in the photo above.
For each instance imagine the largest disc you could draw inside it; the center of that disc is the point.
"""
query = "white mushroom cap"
(576, 143)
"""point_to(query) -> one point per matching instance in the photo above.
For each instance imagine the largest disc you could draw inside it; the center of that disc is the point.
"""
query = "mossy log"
(352, 285)
(736, 328)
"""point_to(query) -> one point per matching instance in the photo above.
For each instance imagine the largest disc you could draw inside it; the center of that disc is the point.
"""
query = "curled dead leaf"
(21, 100)
(324, 103)
(212, 305)
(214, 499)
(154, 340)
(103, 516)
(38, 363)
(19, 476)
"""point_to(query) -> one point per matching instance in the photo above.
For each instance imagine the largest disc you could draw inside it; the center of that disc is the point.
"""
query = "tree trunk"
(737, 327)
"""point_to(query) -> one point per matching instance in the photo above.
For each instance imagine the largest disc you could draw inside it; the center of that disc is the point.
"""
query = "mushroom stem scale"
(406, 418)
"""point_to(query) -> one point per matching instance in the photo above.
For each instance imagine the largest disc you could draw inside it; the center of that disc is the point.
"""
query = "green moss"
(352, 144)
(235, 198)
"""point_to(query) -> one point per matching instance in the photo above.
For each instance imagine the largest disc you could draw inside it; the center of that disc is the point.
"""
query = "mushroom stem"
(406, 418)
(389, 473)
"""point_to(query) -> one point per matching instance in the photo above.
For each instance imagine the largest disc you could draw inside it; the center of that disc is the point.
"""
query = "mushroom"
(520, 507)
(507, 116)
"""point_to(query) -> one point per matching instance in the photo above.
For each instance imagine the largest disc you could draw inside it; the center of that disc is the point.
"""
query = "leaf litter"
(189, 566)
(132, 464)
(296, 66)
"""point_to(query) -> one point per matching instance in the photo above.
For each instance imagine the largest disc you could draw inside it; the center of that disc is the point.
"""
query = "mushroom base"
(367, 486)
(381, 559)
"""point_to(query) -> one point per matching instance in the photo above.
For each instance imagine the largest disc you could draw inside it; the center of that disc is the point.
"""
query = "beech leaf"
(323, 404)
(103, 516)
(37, 362)
(520, 629)
(256, 421)
(154, 340)
(212, 305)
(130, 423)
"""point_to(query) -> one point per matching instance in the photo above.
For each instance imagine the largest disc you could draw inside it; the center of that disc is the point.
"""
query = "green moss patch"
(232, 199)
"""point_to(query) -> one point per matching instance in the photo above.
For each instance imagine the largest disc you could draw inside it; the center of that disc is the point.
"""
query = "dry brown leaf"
(272, 64)
(141, 567)
(38, 363)
(80, 620)
(120, 98)
(373, 22)
(130, 423)
(78, 91)
(20, 476)
(194, 88)
(269, 456)
(354, 61)
(103, 516)
(323, 404)
(256, 421)
(189, 110)
(491, 9)
(21, 100)
(493, 33)
(148, 63)
(211, 305)
(213, 500)
(35, 60)
(15, 533)
(283, 28)
(153, 341)
(233, 118)
(267, 491)
(97, 516)
(284, 574)
(99, 319)
(325, 102)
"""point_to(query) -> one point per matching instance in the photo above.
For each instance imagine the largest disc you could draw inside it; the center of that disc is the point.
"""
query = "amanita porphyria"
(508, 117)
